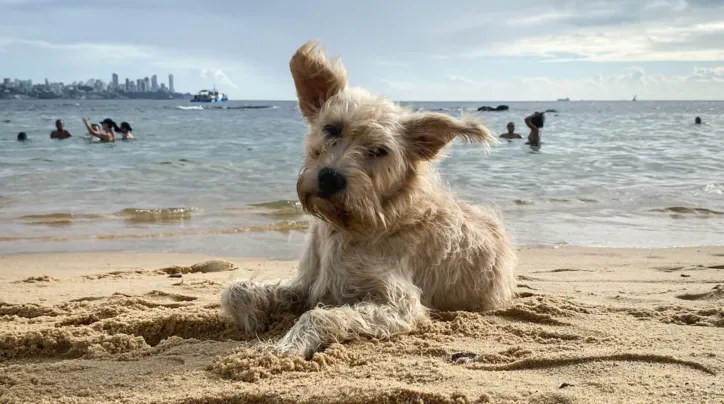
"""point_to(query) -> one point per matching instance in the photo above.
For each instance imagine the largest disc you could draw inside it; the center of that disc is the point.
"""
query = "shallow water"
(222, 181)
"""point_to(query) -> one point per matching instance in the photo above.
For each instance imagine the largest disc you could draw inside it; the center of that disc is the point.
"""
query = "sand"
(588, 326)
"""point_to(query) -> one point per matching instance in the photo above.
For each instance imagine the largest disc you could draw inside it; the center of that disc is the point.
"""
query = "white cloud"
(115, 53)
(551, 17)
(706, 83)
(615, 31)
(217, 75)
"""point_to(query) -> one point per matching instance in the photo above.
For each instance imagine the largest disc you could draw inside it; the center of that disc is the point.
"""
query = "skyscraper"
(114, 81)
(146, 85)
(170, 83)
(154, 83)
(128, 85)
(139, 85)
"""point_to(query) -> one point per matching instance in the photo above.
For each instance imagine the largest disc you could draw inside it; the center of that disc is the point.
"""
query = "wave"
(681, 211)
(190, 107)
(283, 226)
(137, 215)
(278, 210)
(58, 219)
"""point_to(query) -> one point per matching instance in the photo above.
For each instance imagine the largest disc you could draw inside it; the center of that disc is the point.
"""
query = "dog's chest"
(348, 272)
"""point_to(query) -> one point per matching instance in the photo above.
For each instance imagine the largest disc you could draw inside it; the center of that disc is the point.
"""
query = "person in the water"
(535, 122)
(127, 131)
(60, 132)
(106, 134)
(697, 121)
(511, 132)
(22, 136)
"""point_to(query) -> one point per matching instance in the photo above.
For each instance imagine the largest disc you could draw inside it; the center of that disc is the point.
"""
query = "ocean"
(222, 181)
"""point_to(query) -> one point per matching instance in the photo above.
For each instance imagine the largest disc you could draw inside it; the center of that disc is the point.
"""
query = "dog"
(388, 242)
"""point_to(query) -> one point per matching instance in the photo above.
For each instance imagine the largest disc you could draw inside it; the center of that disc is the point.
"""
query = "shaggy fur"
(392, 243)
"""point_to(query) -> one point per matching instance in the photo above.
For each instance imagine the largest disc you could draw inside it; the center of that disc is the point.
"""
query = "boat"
(210, 96)
(634, 98)
(563, 99)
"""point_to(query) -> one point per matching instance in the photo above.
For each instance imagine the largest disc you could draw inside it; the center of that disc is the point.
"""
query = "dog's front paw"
(298, 348)
(246, 302)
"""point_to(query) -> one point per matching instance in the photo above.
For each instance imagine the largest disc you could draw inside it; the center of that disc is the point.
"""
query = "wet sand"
(588, 326)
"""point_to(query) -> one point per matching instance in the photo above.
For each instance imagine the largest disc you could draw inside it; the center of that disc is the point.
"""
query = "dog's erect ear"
(316, 78)
(427, 133)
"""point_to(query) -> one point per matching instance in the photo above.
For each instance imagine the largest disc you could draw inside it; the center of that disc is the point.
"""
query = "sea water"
(222, 180)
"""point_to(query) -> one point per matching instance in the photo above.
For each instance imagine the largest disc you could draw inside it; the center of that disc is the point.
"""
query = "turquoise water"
(222, 181)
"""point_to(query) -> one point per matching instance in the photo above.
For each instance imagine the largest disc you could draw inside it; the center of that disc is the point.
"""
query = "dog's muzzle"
(330, 182)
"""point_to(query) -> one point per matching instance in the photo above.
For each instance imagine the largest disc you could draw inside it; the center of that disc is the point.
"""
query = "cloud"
(615, 31)
(218, 76)
(701, 82)
(84, 49)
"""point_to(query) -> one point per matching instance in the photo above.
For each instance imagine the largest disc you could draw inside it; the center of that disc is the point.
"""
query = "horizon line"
(398, 101)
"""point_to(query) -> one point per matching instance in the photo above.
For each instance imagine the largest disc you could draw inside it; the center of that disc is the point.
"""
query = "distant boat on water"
(563, 99)
(634, 98)
(210, 96)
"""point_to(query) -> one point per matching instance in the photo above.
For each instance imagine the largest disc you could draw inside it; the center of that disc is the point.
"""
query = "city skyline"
(145, 87)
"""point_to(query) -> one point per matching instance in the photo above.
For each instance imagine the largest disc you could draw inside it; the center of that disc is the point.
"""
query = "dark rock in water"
(175, 276)
(6, 120)
(550, 110)
(485, 108)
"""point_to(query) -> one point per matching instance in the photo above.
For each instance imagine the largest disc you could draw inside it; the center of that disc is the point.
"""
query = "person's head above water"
(59, 124)
(538, 120)
(697, 121)
(511, 127)
(22, 137)
(109, 124)
(126, 127)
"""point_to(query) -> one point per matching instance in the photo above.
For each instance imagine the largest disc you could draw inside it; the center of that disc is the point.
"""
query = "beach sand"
(588, 326)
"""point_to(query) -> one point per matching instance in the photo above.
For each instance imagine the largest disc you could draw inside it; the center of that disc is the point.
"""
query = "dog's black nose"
(330, 182)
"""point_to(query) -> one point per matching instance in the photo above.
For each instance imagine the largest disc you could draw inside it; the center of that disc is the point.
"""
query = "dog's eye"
(332, 131)
(377, 152)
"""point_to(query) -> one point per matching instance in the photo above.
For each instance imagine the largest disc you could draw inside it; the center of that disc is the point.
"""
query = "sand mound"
(203, 267)
(569, 337)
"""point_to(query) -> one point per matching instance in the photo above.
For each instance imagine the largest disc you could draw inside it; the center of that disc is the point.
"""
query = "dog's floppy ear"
(316, 78)
(427, 133)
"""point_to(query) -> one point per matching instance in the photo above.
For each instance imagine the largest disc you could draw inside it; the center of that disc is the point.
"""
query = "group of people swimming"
(534, 122)
(105, 131)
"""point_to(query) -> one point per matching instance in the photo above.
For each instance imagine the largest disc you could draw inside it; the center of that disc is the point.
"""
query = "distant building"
(7, 83)
(170, 83)
(154, 83)
(128, 85)
(114, 81)
(146, 84)
(139, 85)
(24, 85)
(163, 87)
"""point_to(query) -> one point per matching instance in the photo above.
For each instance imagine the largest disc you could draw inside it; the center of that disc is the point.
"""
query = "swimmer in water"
(697, 121)
(22, 137)
(127, 131)
(106, 135)
(511, 132)
(59, 132)
(535, 122)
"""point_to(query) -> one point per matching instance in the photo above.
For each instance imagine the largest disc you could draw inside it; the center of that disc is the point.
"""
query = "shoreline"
(618, 324)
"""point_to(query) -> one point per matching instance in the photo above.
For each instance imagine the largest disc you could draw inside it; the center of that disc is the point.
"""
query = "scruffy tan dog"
(388, 242)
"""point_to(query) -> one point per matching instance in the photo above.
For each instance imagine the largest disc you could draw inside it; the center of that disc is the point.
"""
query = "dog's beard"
(359, 216)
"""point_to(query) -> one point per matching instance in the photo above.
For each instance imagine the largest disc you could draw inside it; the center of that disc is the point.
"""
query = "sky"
(433, 50)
